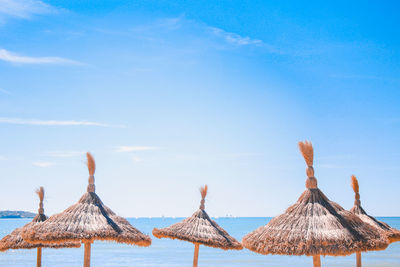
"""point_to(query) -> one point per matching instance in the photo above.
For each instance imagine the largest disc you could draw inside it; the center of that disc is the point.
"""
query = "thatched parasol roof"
(392, 233)
(15, 241)
(314, 225)
(200, 229)
(86, 221)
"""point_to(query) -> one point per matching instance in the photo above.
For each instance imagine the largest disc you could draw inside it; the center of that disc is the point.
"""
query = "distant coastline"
(16, 214)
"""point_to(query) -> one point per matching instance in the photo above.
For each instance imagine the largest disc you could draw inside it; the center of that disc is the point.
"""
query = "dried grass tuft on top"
(40, 193)
(15, 241)
(355, 186)
(203, 191)
(91, 164)
(199, 229)
(86, 221)
(392, 234)
(307, 151)
(314, 226)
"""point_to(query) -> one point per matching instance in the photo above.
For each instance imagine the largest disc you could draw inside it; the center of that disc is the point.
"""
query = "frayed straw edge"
(43, 245)
(141, 243)
(157, 233)
(249, 246)
(394, 239)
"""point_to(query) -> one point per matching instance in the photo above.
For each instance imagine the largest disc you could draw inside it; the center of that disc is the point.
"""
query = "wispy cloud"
(24, 9)
(42, 164)
(163, 25)
(234, 38)
(134, 148)
(54, 122)
(18, 59)
(2, 158)
(64, 154)
(170, 23)
(4, 91)
(207, 33)
(237, 40)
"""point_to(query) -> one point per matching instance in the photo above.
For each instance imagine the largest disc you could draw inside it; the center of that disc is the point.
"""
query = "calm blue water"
(166, 252)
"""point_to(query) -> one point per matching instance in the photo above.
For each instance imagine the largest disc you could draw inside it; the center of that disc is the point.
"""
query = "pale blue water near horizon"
(166, 252)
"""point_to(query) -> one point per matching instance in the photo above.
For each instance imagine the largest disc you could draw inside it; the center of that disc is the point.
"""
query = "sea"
(167, 252)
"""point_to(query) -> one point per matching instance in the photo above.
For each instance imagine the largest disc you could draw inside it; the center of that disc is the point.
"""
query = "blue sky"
(171, 95)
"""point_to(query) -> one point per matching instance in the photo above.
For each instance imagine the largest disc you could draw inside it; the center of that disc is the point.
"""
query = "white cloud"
(65, 154)
(24, 8)
(134, 148)
(165, 25)
(171, 23)
(4, 91)
(42, 164)
(234, 38)
(14, 58)
(54, 122)
(240, 41)
(162, 32)
(2, 158)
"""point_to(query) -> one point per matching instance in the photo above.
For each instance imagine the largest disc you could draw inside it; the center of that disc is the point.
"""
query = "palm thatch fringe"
(15, 241)
(199, 229)
(392, 234)
(86, 221)
(314, 225)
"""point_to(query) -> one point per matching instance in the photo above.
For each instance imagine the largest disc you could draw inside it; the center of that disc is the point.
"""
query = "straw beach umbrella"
(391, 233)
(200, 230)
(15, 241)
(86, 221)
(314, 226)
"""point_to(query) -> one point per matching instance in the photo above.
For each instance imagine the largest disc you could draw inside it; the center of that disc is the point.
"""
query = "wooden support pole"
(317, 261)
(87, 255)
(39, 257)
(196, 255)
(358, 256)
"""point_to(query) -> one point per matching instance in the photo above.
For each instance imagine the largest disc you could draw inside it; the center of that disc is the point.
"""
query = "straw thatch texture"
(314, 226)
(200, 229)
(391, 233)
(86, 221)
(15, 241)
